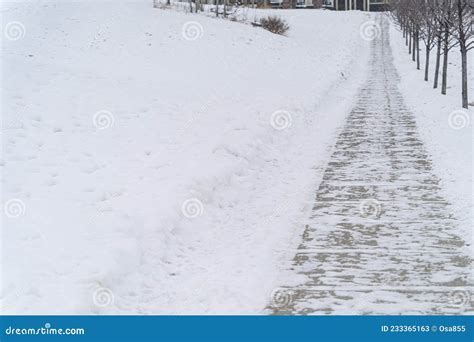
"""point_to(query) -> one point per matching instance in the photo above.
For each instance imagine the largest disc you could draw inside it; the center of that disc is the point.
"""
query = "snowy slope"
(162, 162)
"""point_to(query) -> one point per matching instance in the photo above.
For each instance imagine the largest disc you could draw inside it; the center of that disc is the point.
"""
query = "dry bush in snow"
(275, 24)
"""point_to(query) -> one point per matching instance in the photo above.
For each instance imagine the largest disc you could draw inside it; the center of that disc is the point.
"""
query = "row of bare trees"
(441, 25)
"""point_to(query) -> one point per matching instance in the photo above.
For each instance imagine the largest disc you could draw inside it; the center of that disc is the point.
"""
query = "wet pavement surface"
(381, 239)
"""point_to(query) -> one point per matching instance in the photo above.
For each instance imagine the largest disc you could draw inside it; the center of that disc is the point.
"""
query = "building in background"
(339, 5)
(296, 3)
(362, 5)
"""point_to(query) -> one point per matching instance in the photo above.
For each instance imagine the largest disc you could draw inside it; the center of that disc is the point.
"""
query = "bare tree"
(464, 35)
(428, 31)
(446, 21)
(443, 24)
(439, 40)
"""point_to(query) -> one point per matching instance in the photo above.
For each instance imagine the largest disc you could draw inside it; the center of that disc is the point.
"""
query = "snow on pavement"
(382, 239)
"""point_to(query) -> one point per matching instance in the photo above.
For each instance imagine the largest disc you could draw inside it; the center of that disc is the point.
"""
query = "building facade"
(339, 5)
(362, 5)
(296, 3)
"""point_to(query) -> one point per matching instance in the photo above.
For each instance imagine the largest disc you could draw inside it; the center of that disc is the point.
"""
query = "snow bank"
(162, 162)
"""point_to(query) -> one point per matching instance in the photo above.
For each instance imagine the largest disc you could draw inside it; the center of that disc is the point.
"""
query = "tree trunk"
(413, 48)
(438, 62)
(427, 63)
(409, 44)
(465, 102)
(418, 66)
(444, 81)
(217, 8)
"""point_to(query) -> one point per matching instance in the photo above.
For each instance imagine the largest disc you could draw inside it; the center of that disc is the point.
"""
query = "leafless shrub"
(161, 5)
(275, 24)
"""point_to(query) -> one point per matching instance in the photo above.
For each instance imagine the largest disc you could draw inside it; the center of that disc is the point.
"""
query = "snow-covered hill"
(162, 162)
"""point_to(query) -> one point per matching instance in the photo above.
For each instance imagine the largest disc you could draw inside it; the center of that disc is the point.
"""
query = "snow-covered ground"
(445, 126)
(161, 162)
